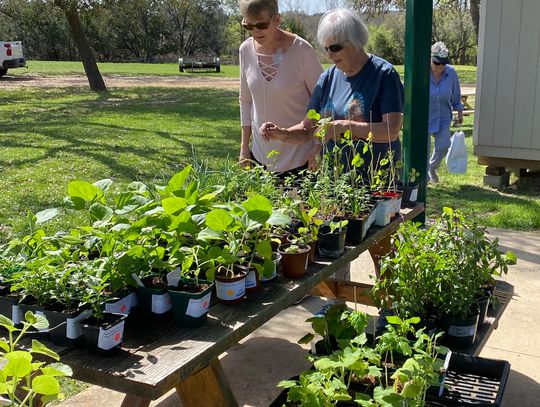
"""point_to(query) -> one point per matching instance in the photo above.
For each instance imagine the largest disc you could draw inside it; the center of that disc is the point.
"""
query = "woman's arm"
(298, 134)
(385, 131)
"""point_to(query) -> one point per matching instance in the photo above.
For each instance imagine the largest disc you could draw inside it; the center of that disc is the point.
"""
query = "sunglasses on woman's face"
(333, 48)
(438, 63)
(259, 26)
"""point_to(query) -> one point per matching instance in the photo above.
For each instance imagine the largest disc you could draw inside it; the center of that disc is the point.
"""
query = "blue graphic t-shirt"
(365, 97)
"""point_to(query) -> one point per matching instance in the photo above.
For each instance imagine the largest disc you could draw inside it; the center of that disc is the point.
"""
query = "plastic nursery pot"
(384, 211)
(104, 337)
(191, 301)
(9, 306)
(121, 302)
(294, 265)
(409, 195)
(28, 304)
(483, 305)
(292, 238)
(230, 289)
(253, 280)
(154, 301)
(331, 244)
(276, 258)
(461, 333)
(65, 328)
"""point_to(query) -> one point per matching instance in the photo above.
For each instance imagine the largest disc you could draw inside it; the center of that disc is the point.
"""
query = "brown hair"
(257, 7)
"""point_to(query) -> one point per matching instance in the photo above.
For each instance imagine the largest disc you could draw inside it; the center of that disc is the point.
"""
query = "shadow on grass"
(153, 125)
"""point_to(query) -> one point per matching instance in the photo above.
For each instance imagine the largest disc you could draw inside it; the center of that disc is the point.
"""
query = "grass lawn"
(467, 74)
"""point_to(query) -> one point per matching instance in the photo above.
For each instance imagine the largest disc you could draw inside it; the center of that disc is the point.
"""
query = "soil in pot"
(294, 265)
(191, 301)
(65, 327)
(331, 244)
(153, 298)
(231, 285)
(104, 337)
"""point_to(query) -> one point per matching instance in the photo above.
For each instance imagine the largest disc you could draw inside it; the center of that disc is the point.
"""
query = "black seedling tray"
(472, 381)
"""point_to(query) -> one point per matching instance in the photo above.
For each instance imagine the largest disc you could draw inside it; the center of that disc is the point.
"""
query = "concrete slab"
(271, 353)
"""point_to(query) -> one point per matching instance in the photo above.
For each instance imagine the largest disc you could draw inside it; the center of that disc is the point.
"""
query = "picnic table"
(468, 109)
(159, 356)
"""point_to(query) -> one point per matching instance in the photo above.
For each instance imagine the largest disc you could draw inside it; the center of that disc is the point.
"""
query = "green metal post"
(415, 125)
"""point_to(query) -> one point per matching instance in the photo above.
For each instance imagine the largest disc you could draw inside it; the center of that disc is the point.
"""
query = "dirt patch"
(116, 81)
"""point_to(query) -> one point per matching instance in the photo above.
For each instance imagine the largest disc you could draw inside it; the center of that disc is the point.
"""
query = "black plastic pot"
(355, 231)
(104, 337)
(65, 328)
(410, 195)
(331, 244)
(461, 333)
(7, 302)
(190, 309)
(154, 301)
(483, 304)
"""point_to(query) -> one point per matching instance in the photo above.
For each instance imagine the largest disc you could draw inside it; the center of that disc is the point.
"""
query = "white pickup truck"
(11, 56)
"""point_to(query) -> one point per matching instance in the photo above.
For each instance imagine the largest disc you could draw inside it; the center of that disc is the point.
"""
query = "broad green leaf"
(218, 219)
(209, 234)
(19, 363)
(279, 219)
(5, 321)
(38, 347)
(286, 384)
(395, 320)
(104, 184)
(258, 208)
(45, 384)
(511, 257)
(84, 190)
(174, 205)
(100, 212)
(177, 181)
(46, 215)
(57, 369)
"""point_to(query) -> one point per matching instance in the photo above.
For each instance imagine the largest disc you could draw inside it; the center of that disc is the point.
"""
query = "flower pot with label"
(231, 284)
(65, 326)
(191, 301)
(154, 299)
(294, 259)
(9, 305)
(461, 332)
(276, 258)
(104, 337)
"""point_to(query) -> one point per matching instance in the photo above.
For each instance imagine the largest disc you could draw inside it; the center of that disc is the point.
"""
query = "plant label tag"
(43, 315)
(73, 325)
(134, 299)
(231, 291)
(161, 303)
(198, 307)
(16, 314)
(174, 277)
(414, 195)
(251, 279)
(122, 306)
(461, 331)
(109, 338)
(307, 262)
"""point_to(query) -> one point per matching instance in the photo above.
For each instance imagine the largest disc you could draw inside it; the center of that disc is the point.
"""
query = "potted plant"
(409, 189)
(332, 238)
(190, 295)
(103, 331)
(294, 259)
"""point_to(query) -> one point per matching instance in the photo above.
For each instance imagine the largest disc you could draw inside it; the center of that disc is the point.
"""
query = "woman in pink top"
(278, 71)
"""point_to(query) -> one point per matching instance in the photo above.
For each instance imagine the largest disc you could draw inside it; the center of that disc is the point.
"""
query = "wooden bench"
(159, 356)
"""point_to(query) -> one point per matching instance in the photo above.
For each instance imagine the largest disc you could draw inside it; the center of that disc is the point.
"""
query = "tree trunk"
(85, 52)
(475, 16)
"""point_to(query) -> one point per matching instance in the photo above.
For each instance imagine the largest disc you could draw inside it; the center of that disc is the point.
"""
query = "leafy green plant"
(25, 382)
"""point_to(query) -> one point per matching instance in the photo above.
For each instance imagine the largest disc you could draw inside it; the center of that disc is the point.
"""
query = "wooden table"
(467, 108)
(159, 356)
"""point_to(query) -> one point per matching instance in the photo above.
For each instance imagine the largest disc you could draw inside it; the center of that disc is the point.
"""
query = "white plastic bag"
(456, 159)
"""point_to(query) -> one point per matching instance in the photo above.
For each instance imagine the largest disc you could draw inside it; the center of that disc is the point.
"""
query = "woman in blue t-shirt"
(444, 96)
(360, 92)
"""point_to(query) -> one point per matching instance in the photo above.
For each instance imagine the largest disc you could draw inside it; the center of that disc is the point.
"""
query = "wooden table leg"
(135, 401)
(207, 387)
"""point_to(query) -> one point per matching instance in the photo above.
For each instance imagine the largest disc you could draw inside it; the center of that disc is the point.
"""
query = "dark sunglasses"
(259, 26)
(333, 48)
(438, 63)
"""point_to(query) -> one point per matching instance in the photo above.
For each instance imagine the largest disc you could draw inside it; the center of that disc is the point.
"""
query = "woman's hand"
(245, 159)
(459, 119)
(269, 131)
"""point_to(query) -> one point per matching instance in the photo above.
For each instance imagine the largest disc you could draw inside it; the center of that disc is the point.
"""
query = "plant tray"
(472, 381)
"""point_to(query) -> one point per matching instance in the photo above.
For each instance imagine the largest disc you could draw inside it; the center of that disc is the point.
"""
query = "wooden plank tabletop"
(157, 354)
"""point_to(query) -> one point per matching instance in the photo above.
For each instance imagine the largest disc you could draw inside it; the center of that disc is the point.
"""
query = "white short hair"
(342, 26)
